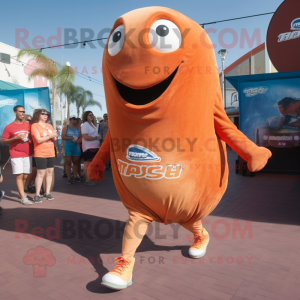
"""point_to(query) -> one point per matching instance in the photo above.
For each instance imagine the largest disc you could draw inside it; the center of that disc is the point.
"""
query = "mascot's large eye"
(165, 36)
(116, 41)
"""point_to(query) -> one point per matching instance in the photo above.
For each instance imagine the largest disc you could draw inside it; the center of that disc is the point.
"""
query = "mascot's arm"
(96, 168)
(257, 157)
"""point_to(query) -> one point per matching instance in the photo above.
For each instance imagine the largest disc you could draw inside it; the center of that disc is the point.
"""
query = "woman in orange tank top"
(43, 136)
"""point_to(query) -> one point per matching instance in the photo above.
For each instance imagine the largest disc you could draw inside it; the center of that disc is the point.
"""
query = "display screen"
(270, 112)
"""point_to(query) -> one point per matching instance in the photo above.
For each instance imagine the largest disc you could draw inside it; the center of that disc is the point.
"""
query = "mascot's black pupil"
(162, 30)
(117, 36)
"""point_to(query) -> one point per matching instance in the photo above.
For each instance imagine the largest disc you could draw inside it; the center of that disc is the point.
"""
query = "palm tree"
(78, 98)
(83, 98)
(72, 94)
(89, 101)
(48, 69)
(65, 85)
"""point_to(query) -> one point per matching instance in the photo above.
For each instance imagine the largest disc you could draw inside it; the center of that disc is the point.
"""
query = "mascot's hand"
(95, 171)
(259, 159)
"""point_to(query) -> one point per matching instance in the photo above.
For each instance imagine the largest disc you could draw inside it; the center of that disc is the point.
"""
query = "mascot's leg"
(201, 239)
(121, 276)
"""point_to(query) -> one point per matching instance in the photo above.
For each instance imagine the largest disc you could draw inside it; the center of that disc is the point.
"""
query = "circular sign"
(283, 37)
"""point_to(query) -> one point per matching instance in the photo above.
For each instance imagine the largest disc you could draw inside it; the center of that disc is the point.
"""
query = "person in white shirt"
(90, 141)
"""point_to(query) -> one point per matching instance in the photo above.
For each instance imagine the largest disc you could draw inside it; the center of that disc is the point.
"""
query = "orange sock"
(134, 232)
(195, 228)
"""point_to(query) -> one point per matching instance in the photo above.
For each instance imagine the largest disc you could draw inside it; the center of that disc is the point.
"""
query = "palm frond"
(39, 72)
(65, 76)
(91, 102)
(46, 66)
(31, 53)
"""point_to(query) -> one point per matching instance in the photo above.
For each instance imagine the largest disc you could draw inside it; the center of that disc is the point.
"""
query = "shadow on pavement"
(87, 235)
(104, 189)
(266, 197)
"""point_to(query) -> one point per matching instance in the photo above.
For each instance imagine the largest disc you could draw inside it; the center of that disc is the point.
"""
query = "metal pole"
(223, 85)
(61, 110)
(61, 103)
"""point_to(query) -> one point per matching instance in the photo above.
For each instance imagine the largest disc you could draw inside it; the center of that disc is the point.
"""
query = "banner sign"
(270, 108)
(283, 37)
(31, 99)
(36, 98)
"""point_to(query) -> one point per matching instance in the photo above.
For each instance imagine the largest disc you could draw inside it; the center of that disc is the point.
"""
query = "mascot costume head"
(167, 129)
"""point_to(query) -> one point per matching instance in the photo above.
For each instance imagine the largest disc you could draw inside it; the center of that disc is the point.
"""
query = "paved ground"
(253, 253)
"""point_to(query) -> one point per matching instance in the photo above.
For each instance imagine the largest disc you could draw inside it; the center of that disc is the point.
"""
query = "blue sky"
(44, 18)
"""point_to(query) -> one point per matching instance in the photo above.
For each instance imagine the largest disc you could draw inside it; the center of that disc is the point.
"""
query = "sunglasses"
(73, 119)
(21, 111)
(91, 115)
(45, 114)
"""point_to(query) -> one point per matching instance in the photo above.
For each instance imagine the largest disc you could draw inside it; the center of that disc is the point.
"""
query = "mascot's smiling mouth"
(144, 96)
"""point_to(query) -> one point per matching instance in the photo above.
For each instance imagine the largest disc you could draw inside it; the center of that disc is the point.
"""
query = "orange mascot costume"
(167, 129)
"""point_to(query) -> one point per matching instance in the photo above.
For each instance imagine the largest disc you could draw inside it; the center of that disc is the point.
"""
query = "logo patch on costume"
(138, 153)
(152, 172)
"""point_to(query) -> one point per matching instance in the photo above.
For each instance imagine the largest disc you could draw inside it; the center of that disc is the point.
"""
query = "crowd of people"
(33, 148)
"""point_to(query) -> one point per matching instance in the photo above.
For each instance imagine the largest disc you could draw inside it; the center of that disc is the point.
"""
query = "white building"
(17, 71)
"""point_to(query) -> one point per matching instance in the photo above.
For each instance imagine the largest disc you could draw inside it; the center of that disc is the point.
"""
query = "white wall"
(17, 71)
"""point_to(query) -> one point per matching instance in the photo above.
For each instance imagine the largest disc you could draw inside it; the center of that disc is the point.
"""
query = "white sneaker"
(25, 201)
(198, 249)
(25, 196)
(28, 197)
(121, 276)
